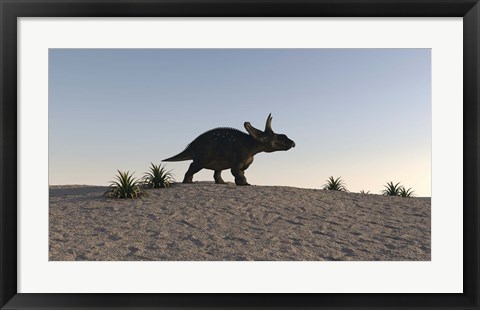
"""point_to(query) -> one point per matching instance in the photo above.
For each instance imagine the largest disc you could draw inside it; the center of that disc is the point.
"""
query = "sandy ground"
(204, 221)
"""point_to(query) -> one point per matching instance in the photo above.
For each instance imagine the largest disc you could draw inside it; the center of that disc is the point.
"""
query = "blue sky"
(360, 114)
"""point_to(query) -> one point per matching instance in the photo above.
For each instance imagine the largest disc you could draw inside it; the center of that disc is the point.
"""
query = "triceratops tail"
(185, 155)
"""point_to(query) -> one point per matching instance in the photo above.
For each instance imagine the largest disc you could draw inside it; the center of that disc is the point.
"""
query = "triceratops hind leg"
(218, 177)
(194, 168)
(239, 175)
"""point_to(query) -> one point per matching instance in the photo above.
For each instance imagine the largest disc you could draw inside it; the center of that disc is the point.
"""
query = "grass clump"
(406, 192)
(158, 177)
(364, 192)
(335, 184)
(125, 186)
(392, 189)
(396, 190)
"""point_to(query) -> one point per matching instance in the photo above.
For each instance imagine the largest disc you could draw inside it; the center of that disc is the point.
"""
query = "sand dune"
(205, 221)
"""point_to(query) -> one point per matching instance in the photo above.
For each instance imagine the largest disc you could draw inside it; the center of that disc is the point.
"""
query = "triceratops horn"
(268, 124)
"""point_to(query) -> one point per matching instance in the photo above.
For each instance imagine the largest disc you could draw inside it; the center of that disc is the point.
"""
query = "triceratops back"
(218, 138)
(218, 142)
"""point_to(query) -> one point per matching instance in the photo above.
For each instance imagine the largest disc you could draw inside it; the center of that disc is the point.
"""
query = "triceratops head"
(270, 141)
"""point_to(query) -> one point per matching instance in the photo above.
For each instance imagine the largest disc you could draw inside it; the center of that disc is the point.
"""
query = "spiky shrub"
(335, 184)
(406, 192)
(125, 186)
(392, 189)
(158, 177)
(364, 192)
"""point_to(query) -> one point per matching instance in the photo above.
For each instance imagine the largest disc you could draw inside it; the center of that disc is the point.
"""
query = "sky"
(360, 114)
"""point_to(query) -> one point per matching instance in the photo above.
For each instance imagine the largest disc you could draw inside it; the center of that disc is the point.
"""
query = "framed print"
(197, 154)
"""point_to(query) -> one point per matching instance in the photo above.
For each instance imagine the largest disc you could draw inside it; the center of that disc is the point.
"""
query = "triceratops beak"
(268, 124)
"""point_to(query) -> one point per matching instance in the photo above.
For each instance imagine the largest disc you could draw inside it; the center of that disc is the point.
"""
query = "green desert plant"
(406, 192)
(158, 177)
(392, 189)
(126, 186)
(364, 192)
(335, 184)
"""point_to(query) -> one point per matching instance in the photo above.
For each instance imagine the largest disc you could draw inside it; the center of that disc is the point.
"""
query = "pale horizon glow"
(360, 114)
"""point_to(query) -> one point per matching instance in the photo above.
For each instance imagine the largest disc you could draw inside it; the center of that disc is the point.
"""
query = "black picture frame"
(10, 10)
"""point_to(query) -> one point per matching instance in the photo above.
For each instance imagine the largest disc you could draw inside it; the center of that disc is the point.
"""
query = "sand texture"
(205, 221)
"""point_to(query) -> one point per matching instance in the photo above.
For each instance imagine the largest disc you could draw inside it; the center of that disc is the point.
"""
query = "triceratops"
(228, 148)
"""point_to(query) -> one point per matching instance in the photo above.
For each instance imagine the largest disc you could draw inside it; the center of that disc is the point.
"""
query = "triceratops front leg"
(239, 175)
(218, 177)
(194, 168)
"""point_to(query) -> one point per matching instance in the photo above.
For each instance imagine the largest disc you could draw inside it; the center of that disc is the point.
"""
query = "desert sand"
(209, 222)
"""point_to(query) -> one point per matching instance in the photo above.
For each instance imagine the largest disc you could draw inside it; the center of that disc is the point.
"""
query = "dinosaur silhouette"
(228, 148)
